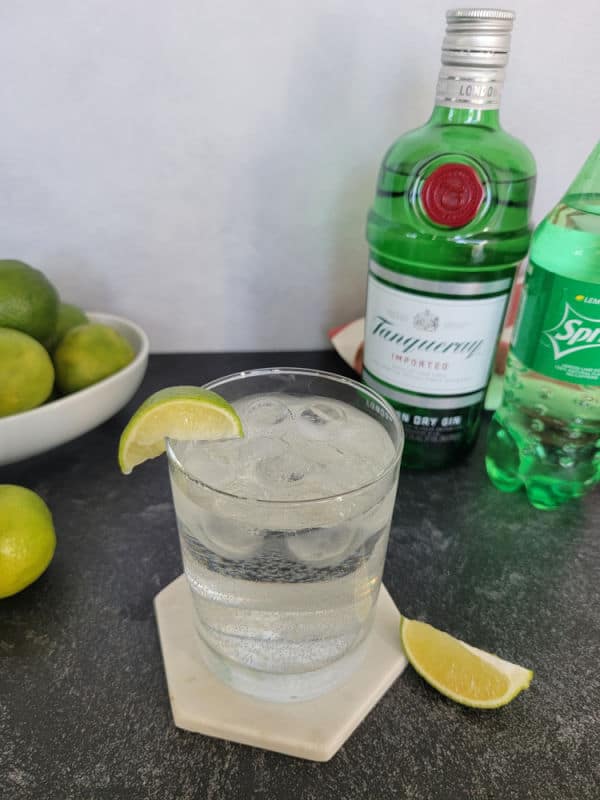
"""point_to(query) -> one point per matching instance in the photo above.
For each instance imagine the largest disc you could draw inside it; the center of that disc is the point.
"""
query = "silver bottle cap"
(477, 37)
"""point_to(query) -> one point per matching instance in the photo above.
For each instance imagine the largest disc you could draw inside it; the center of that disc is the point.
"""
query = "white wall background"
(205, 167)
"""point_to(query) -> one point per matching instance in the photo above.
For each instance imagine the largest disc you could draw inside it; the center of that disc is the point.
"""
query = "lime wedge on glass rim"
(459, 671)
(177, 412)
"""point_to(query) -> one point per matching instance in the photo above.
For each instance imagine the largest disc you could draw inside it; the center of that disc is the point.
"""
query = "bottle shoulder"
(567, 242)
(415, 185)
(493, 146)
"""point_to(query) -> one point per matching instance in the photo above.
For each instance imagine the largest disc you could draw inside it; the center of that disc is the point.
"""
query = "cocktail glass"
(284, 532)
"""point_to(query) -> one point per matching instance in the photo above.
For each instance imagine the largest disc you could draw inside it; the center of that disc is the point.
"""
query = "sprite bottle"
(546, 434)
(448, 227)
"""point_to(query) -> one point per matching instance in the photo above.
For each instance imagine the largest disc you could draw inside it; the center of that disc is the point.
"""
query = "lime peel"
(460, 671)
(27, 538)
(177, 412)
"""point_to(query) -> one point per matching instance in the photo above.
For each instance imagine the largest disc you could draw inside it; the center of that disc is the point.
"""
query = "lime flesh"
(177, 412)
(461, 672)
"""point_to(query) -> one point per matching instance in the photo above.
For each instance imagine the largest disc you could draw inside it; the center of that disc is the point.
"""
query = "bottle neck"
(445, 115)
(468, 96)
(584, 193)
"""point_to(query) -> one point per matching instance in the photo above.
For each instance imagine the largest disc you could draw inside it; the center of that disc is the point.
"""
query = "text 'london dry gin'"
(448, 227)
(545, 436)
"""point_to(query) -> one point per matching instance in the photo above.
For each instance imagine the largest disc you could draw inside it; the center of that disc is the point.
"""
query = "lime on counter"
(26, 372)
(461, 672)
(27, 538)
(178, 412)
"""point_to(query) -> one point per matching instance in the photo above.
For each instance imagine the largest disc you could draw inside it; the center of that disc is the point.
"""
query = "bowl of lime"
(63, 371)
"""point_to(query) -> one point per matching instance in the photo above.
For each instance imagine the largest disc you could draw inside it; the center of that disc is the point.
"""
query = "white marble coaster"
(314, 729)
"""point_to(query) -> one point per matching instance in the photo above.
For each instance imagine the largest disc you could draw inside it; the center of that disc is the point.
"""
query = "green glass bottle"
(448, 227)
(546, 434)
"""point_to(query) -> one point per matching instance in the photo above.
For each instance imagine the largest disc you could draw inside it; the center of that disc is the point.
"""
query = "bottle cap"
(477, 37)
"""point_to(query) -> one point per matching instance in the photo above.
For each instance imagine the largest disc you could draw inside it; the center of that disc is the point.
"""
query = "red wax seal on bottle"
(452, 194)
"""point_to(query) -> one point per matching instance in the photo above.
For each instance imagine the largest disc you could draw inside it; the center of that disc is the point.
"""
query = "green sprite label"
(557, 332)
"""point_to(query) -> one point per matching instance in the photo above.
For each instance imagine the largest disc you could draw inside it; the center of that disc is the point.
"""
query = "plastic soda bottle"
(546, 434)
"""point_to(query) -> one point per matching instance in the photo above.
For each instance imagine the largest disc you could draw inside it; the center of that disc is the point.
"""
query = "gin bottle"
(447, 230)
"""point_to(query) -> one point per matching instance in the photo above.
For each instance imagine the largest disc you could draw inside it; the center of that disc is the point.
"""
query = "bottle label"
(463, 87)
(557, 332)
(437, 346)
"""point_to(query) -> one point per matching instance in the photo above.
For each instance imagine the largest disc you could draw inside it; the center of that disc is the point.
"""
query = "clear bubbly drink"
(283, 536)
(545, 436)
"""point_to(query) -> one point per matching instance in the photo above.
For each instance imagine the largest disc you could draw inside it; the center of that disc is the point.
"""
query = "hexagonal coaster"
(313, 729)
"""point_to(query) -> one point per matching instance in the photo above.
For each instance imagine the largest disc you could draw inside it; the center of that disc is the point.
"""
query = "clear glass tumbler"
(284, 531)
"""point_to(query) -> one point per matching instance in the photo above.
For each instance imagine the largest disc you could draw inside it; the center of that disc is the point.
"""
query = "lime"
(178, 412)
(461, 672)
(26, 372)
(28, 301)
(88, 353)
(69, 316)
(27, 538)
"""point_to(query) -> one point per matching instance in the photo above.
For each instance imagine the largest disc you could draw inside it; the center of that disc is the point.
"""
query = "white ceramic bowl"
(32, 432)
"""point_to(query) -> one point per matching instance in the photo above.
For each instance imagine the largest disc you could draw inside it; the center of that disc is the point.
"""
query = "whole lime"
(27, 538)
(88, 353)
(28, 301)
(26, 372)
(69, 316)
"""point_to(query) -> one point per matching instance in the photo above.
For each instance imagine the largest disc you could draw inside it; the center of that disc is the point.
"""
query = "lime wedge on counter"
(178, 412)
(461, 672)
